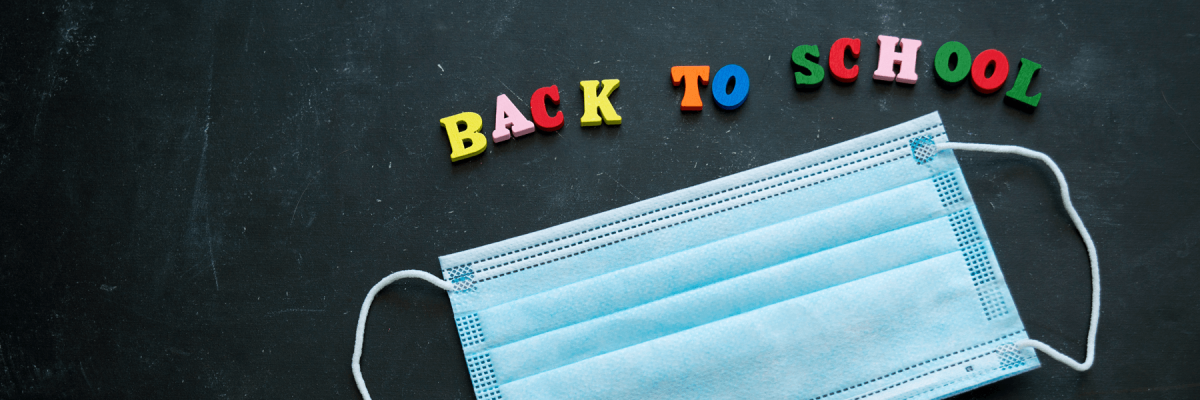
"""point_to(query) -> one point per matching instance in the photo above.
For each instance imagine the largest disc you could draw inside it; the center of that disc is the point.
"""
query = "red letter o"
(986, 84)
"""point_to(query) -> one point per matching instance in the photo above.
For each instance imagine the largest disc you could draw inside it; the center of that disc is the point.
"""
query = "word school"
(952, 65)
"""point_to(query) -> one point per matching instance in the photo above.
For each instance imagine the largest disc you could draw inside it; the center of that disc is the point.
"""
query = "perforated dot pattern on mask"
(964, 228)
(992, 299)
(979, 264)
(469, 331)
(491, 394)
(948, 188)
(483, 376)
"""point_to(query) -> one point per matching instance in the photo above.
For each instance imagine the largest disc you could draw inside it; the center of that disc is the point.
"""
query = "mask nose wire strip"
(1083, 232)
(366, 308)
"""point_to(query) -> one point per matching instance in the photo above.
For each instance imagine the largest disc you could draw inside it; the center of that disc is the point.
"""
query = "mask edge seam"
(914, 366)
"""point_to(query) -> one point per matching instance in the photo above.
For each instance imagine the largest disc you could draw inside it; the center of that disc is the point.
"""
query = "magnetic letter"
(962, 66)
(691, 77)
(741, 87)
(809, 74)
(837, 59)
(989, 84)
(1017, 96)
(907, 58)
(509, 117)
(459, 139)
(537, 107)
(592, 102)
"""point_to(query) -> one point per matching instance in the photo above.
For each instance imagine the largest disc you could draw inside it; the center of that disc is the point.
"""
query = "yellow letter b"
(459, 140)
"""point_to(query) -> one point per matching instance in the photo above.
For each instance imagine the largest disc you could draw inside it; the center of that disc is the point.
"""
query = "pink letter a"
(508, 116)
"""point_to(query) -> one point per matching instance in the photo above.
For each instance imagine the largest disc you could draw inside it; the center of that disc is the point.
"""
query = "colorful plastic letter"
(460, 138)
(508, 117)
(741, 87)
(837, 59)
(888, 58)
(962, 66)
(592, 102)
(989, 84)
(809, 74)
(1026, 70)
(537, 107)
(691, 76)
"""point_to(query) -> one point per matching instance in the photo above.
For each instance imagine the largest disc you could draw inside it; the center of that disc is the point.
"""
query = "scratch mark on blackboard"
(622, 186)
(203, 164)
(1183, 131)
(249, 25)
(85, 378)
(510, 90)
(199, 194)
(1164, 96)
(290, 310)
(297, 207)
(212, 260)
(1190, 140)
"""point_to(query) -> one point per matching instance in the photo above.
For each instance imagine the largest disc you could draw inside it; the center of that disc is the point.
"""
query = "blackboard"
(197, 196)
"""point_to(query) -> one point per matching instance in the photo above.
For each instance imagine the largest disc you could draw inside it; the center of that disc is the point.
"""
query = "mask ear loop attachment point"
(366, 308)
(1083, 233)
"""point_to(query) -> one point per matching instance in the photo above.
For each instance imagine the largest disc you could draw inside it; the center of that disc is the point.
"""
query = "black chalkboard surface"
(196, 196)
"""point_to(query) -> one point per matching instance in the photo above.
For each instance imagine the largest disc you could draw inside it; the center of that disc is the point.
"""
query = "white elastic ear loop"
(1083, 232)
(366, 308)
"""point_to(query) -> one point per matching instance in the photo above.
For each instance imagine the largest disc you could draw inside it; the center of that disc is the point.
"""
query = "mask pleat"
(713, 262)
(726, 298)
(786, 350)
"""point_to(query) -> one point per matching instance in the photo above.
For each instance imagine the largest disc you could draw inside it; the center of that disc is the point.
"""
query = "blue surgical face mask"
(856, 271)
